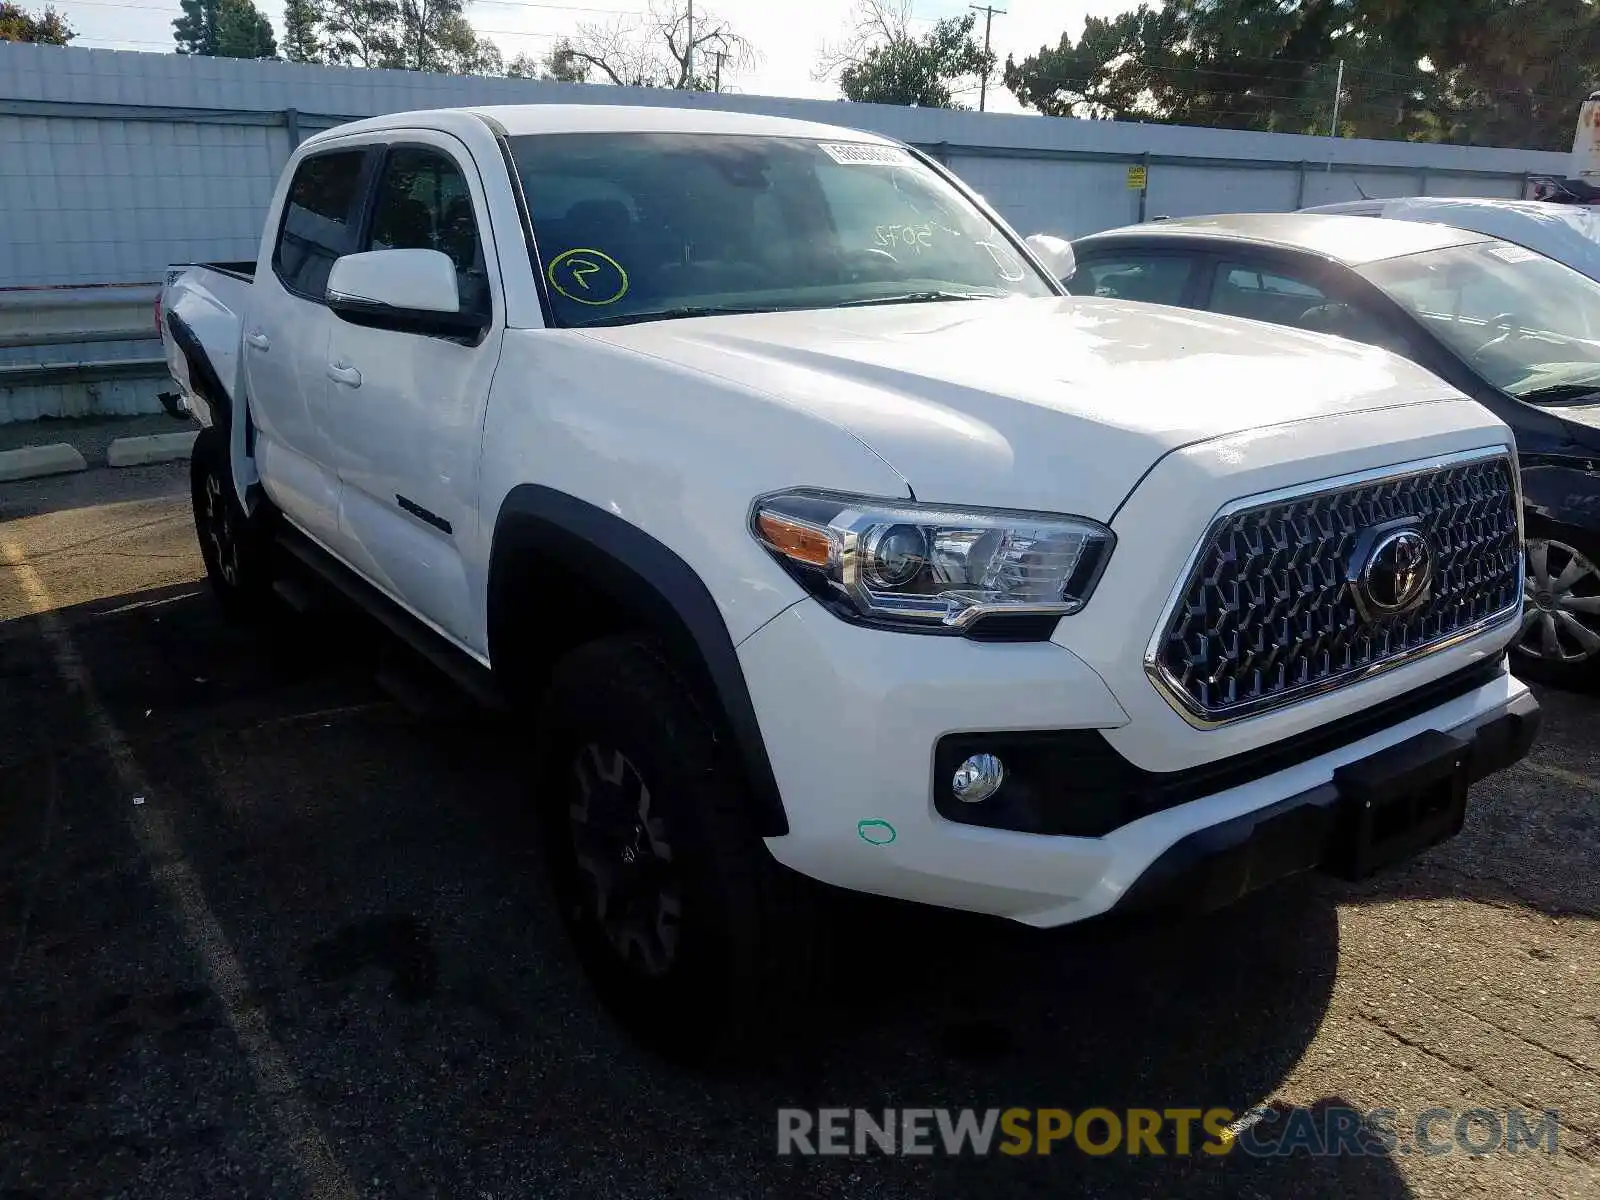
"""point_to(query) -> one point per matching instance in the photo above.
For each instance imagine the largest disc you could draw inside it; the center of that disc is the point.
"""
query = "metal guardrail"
(68, 314)
(91, 371)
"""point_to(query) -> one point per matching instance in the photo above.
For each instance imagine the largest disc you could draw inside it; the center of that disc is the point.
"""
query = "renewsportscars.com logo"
(1276, 1131)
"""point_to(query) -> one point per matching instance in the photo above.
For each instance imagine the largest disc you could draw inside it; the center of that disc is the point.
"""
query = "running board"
(466, 673)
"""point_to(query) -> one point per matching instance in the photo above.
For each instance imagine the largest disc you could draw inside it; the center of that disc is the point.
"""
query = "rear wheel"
(694, 937)
(233, 545)
(1559, 642)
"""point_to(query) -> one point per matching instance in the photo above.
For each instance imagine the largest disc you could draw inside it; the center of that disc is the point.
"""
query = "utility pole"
(720, 54)
(688, 52)
(1338, 94)
(990, 12)
(1333, 128)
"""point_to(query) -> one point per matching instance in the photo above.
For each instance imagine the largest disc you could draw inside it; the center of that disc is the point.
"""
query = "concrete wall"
(114, 164)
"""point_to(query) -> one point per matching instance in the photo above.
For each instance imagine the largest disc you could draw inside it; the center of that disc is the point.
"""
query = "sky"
(788, 33)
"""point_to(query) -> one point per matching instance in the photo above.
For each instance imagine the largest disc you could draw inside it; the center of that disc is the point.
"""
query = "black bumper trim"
(1215, 866)
(1072, 782)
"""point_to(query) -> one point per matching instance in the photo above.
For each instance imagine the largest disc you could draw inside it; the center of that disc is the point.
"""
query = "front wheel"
(233, 545)
(693, 936)
(1559, 642)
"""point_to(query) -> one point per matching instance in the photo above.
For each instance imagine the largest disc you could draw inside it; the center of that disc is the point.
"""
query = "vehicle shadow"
(372, 864)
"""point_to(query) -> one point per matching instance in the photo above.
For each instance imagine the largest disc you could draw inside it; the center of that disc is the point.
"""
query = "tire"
(694, 937)
(1559, 643)
(234, 546)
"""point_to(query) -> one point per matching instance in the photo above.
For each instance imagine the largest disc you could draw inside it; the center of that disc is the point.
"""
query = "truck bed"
(238, 270)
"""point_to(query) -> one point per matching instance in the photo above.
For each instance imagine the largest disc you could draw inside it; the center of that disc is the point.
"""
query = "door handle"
(340, 373)
(257, 340)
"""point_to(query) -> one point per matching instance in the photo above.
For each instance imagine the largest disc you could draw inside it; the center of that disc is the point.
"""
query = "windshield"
(643, 226)
(1527, 324)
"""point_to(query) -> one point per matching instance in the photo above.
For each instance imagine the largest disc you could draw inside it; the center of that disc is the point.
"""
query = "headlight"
(919, 567)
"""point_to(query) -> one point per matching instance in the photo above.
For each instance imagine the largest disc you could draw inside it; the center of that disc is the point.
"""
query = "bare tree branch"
(653, 49)
(874, 24)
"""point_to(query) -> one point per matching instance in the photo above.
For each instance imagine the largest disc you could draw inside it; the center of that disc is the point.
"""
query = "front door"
(404, 410)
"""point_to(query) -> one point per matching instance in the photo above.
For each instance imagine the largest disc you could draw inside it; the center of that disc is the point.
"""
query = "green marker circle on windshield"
(587, 276)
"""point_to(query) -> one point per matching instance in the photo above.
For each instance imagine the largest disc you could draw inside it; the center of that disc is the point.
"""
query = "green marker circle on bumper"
(875, 832)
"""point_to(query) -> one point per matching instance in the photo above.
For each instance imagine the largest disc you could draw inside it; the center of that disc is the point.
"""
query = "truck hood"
(1054, 404)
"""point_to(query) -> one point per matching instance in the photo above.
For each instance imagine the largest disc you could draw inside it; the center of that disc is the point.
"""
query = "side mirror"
(409, 291)
(1055, 253)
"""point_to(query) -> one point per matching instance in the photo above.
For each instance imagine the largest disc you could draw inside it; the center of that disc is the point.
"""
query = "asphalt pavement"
(272, 926)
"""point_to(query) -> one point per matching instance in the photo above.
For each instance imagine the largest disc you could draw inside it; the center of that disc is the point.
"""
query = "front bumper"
(852, 719)
(1314, 828)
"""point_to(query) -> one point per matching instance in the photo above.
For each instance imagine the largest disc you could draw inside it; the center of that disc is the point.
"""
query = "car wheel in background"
(1559, 642)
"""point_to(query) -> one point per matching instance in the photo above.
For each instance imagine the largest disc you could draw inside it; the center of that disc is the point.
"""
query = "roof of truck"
(516, 119)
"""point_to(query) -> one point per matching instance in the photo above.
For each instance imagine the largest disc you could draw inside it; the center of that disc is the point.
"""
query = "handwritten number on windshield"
(914, 237)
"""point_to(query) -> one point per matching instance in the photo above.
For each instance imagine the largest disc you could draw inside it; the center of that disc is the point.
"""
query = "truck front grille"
(1273, 608)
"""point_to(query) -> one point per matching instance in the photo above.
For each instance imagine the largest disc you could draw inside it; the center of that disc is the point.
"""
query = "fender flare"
(201, 372)
(1560, 497)
(645, 579)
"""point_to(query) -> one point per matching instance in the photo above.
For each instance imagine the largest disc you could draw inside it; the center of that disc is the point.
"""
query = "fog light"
(977, 779)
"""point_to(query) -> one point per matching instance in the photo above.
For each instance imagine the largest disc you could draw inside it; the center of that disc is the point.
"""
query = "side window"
(423, 204)
(1242, 290)
(319, 221)
(1155, 279)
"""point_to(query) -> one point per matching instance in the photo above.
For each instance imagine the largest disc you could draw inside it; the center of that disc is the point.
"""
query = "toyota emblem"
(1398, 573)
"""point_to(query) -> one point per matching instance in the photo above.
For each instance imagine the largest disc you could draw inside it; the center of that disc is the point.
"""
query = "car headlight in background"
(985, 573)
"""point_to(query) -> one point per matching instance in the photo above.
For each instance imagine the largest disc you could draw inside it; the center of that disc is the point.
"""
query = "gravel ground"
(264, 931)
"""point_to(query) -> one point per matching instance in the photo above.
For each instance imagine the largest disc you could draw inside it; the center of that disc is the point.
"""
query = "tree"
(882, 62)
(196, 30)
(19, 25)
(362, 33)
(415, 35)
(1476, 71)
(243, 31)
(435, 35)
(302, 31)
(224, 29)
(659, 48)
(559, 65)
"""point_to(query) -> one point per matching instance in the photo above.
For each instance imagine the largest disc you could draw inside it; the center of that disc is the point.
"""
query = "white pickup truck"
(825, 539)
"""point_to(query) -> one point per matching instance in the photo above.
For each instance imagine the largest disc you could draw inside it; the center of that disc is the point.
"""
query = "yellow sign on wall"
(1138, 178)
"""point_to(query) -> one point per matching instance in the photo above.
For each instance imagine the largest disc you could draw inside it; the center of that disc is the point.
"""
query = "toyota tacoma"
(822, 537)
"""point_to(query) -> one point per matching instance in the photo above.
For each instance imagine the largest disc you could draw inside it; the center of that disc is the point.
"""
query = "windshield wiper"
(1561, 393)
(672, 314)
(918, 298)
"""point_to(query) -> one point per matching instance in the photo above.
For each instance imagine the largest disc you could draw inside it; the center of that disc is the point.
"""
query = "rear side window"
(319, 221)
(1154, 279)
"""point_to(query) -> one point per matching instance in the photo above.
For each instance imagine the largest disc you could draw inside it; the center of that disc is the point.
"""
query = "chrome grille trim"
(1196, 714)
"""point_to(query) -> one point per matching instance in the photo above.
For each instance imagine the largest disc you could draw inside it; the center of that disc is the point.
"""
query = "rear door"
(405, 410)
(286, 333)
